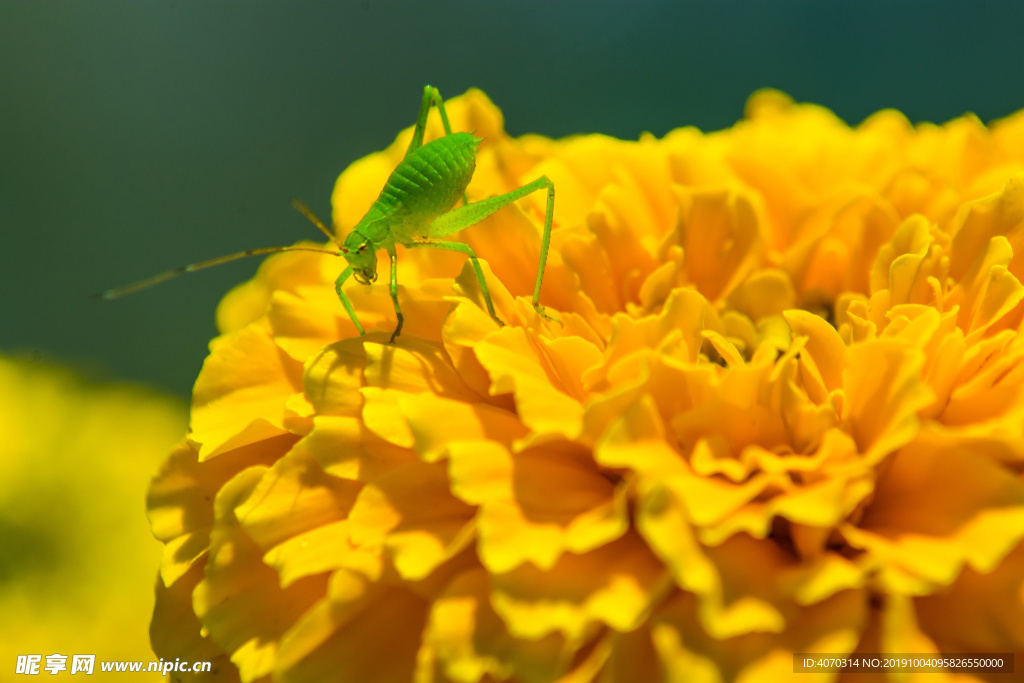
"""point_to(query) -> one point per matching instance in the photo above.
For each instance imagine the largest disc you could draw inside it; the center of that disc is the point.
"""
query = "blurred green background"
(139, 136)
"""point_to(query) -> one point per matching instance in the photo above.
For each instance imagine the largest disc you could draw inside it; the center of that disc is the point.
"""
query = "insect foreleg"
(471, 214)
(464, 249)
(345, 275)
(394, 292)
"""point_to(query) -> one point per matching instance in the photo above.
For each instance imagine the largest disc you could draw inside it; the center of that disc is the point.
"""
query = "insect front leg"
(464, 249)
(394, 292)
(345, 275)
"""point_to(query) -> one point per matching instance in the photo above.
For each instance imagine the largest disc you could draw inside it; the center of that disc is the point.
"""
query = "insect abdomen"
(431, 179)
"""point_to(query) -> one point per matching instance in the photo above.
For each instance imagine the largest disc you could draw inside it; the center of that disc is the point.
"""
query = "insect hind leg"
(471, 214)
(468, 251)
(431, 95)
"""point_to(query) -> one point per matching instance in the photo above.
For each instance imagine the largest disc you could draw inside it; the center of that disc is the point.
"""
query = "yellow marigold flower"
(76, 555)
(785, 413)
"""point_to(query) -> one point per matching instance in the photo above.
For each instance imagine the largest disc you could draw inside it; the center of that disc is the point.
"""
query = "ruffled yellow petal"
(466, 640)
(241, 394)
(536, 504)
(882, 395)
(935, 511)
(516, 365)
(177, 633)
(979, 612)
(239, 600)
(248, 302)
(688, 653)
(411, 515)
(357, 632)
(178, 502)
(345, 447)
(613, 585)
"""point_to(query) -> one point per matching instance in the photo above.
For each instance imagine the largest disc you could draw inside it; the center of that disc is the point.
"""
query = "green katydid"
(415, 209)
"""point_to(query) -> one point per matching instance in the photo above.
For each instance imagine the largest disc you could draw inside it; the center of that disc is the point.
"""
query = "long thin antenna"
(165, 276)
(301, 207)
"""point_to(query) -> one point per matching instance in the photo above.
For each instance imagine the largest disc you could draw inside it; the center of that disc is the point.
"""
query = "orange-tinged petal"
(412, 366)
(333, 377)
(740, 392)
(470, 321)
(677, 327)
(725, 348)
(814, 582)
(636, 439)
(345, 447)
(358, 632)
(411, 514)
(179, 500)
(883, 392)
(177, 634)
(321, 549)
(687, 653)
(707, 501)
(824, 346)
(431, 420)
(936, 509)
(720, 236)
(294, 496)
(240, 601)
(615, 584)
(536, 504)
(980, 611)
(519, 367)
(470, 640)
(1002, 215)
(662, 521)
(249, 301)
(304, 323)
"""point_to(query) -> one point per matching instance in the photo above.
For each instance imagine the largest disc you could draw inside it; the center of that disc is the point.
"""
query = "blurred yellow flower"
(77, 560)
(785, 414)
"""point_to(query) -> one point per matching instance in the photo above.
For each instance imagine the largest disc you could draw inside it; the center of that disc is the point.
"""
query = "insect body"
(415, 209)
